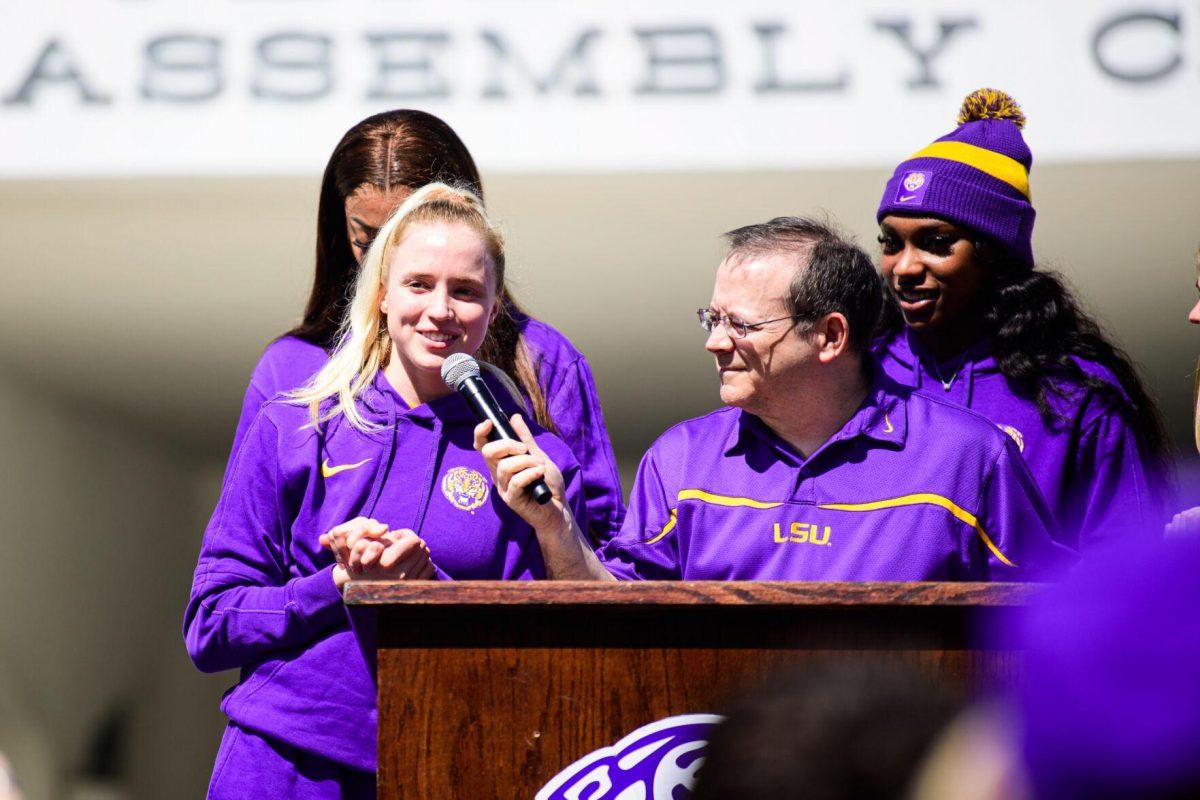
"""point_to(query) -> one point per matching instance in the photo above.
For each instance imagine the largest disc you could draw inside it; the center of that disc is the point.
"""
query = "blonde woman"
(367, 472)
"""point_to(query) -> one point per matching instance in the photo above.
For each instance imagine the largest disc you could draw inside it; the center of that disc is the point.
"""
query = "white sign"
(140, 87)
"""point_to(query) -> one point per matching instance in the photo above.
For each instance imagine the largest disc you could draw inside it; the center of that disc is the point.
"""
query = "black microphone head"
(458, 368)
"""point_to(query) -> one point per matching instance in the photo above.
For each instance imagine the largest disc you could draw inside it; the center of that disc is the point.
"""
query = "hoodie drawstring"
(436, 456)
(969, 377)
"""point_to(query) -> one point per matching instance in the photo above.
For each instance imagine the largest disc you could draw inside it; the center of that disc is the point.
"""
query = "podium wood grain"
(488, 689)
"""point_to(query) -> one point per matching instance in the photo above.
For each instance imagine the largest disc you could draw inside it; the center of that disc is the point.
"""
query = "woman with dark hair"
(971, 319)
(374, 168)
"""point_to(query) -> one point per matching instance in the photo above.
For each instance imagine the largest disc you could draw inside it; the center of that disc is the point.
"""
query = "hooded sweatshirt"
(562, 373)
(1086, 462)
(263, 597)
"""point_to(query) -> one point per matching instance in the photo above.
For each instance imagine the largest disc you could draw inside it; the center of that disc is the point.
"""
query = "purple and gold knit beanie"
(976, 176)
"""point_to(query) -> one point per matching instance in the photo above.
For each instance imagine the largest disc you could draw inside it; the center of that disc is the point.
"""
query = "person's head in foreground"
(829, 732)
(1111, 705)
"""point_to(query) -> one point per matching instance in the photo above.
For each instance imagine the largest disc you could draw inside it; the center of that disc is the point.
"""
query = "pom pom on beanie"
(990, 104)
(976, 176)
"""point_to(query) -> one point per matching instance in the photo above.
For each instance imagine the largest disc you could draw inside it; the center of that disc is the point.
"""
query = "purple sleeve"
(1015, 526)
(647, 547)
(251, 403)
(286, 364)
(575, 408)
(576, 490)
(573, 475)
(244, 603)
(1113, 496)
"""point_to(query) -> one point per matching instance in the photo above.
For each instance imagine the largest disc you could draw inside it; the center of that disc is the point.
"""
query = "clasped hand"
(366, 550)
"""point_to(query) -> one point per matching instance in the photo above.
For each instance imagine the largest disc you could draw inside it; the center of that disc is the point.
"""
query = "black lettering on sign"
(575, 56)
(685, 60)
(1171, 56)
(293, 66)
(182, 68)
(771, 82)
(405, 66)
(947, 28)
(54, 65)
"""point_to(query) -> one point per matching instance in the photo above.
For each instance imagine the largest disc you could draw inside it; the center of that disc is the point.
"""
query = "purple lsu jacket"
(563, 375)
(910, 489)
(263, 598)
(1087, 464)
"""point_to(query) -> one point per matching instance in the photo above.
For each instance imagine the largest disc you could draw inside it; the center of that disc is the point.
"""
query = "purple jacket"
(565, 379)
(910, 489)
(1088, 466)
(263, 597)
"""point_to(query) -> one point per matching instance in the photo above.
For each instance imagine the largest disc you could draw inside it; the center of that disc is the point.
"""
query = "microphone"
(461, 373)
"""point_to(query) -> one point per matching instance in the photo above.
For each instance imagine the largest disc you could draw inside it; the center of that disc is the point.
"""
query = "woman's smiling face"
(934, 270)
(440, 295)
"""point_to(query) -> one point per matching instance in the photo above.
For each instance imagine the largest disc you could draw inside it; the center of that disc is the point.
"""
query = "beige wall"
(178, 724)
(98, 526)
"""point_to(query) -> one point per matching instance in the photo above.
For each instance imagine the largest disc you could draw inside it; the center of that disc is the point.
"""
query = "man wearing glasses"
(819, 467)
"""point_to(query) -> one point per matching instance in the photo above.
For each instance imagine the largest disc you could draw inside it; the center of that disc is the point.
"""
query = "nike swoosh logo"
(888, 423)
(328, 471)
(904, 198)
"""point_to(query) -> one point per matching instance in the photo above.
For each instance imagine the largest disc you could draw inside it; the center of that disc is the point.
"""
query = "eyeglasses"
(735, 328)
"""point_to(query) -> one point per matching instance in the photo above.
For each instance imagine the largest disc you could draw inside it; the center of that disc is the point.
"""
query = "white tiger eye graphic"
(648, 764)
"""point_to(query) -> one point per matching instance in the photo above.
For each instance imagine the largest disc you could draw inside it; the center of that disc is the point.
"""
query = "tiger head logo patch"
(914, 181)
(912, 188)
(1015, 434)
(465, 488)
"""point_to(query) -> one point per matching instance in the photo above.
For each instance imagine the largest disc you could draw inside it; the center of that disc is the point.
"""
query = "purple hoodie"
(263, 597)
(1088, 466)
(563, 375)
(910, 489)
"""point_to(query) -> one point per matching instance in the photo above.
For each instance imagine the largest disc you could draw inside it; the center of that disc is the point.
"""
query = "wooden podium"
(488, 689)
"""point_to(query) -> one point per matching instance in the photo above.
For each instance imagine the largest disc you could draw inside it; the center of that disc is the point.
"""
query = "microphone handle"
(481, 400)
